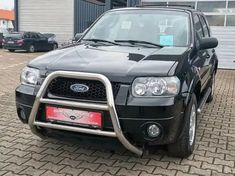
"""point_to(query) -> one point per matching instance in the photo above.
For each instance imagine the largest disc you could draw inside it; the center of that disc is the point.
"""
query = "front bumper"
(14, 47)
(133, 115)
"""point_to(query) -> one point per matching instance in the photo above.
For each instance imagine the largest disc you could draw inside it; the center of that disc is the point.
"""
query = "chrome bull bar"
(110, 106)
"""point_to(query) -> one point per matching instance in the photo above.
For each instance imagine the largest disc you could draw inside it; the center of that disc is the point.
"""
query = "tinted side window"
(33, 35)
(26, 35)
(198, 26)
(205, 27)
(40, 35)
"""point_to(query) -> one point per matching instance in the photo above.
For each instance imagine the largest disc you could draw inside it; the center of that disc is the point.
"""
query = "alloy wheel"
(192, 125)
(31, 48)
(213, 85)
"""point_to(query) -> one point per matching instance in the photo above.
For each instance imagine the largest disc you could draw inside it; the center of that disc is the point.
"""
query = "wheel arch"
(195, 87)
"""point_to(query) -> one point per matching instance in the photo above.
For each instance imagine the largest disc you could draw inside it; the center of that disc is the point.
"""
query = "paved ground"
(24, 154)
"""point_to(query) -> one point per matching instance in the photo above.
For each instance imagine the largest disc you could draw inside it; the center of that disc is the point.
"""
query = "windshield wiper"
(139, 41)
(101, 40)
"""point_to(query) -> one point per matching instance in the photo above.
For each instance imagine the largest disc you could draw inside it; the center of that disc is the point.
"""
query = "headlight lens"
(155, 86)
(29, 76)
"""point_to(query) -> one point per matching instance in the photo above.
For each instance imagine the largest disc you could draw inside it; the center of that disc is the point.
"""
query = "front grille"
(60, 87)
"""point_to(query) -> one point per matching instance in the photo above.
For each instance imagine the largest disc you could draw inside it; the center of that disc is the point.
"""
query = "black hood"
(118, 63)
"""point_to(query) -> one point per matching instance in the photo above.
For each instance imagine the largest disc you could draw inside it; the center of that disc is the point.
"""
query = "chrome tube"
(110, 106)
(75, 104)
(76, 129)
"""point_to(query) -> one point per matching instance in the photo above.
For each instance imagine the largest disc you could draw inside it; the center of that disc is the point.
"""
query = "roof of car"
(170, 7)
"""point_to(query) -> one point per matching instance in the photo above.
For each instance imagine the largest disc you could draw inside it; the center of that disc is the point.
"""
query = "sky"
(7, 4)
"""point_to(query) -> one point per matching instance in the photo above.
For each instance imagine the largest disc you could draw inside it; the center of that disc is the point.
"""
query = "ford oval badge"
(79, 88)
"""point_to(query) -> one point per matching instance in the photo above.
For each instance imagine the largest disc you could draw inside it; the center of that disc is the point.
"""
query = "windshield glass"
(163, 27)
(14, 35)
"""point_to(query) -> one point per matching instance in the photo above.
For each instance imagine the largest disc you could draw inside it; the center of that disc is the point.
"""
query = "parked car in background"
(29, 41)
(51, 39)
(1, 39)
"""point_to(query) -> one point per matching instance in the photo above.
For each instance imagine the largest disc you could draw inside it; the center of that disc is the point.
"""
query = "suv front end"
(135, 90)
(134, 117)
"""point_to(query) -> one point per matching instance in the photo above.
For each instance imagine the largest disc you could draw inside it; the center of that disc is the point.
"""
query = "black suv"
(28, 41)
(140, 75)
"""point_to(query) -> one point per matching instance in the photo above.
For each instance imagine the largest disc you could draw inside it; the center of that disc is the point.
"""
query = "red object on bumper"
(76, 117)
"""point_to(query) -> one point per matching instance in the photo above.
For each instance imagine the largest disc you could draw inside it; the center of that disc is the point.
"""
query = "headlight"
(29, 76)
(155, 86)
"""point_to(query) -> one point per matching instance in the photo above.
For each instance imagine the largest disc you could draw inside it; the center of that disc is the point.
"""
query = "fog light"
(153, 130)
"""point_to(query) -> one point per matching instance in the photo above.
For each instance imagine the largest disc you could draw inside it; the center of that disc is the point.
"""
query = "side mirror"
(208, 42)
(77, 36)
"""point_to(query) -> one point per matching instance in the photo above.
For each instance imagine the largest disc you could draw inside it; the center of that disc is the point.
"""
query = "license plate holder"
(74, 116)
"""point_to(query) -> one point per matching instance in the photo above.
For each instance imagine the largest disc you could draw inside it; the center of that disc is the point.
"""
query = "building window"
(231, 6)
(97, 2)
(192, 4)
(156, 3)
(211, 6)
(215, 20)
(230, 20)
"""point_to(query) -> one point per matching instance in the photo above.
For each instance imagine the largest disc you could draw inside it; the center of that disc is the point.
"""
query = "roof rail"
(166, 5)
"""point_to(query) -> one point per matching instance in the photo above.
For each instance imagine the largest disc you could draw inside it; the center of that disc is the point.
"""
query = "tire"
(31, 49)
(184, 146)
(212, 86)
(54, 47)
(11, 50)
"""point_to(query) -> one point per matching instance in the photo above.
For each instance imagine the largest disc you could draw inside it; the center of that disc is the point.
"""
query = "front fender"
(192, 80)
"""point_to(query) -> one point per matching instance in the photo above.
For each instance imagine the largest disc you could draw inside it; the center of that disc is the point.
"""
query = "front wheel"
(55, 46)
(184, 146)
(11, 50)
(31, 49)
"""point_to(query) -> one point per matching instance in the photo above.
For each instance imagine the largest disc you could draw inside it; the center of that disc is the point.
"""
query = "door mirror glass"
(208, 42)
(78, 36)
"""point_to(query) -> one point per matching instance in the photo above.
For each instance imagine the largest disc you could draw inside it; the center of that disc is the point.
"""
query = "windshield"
(162, 27)
(14, 35)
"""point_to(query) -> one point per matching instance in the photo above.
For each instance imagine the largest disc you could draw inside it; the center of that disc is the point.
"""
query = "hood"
(118, 63)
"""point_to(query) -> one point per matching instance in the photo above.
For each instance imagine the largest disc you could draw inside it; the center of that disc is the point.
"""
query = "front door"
(42, 42)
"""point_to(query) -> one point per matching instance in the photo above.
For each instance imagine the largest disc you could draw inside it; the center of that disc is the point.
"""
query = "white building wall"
(47, 16)
(226, 47)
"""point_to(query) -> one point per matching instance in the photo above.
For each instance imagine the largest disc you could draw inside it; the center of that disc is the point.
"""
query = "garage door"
(47, 16)
(226, 47)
